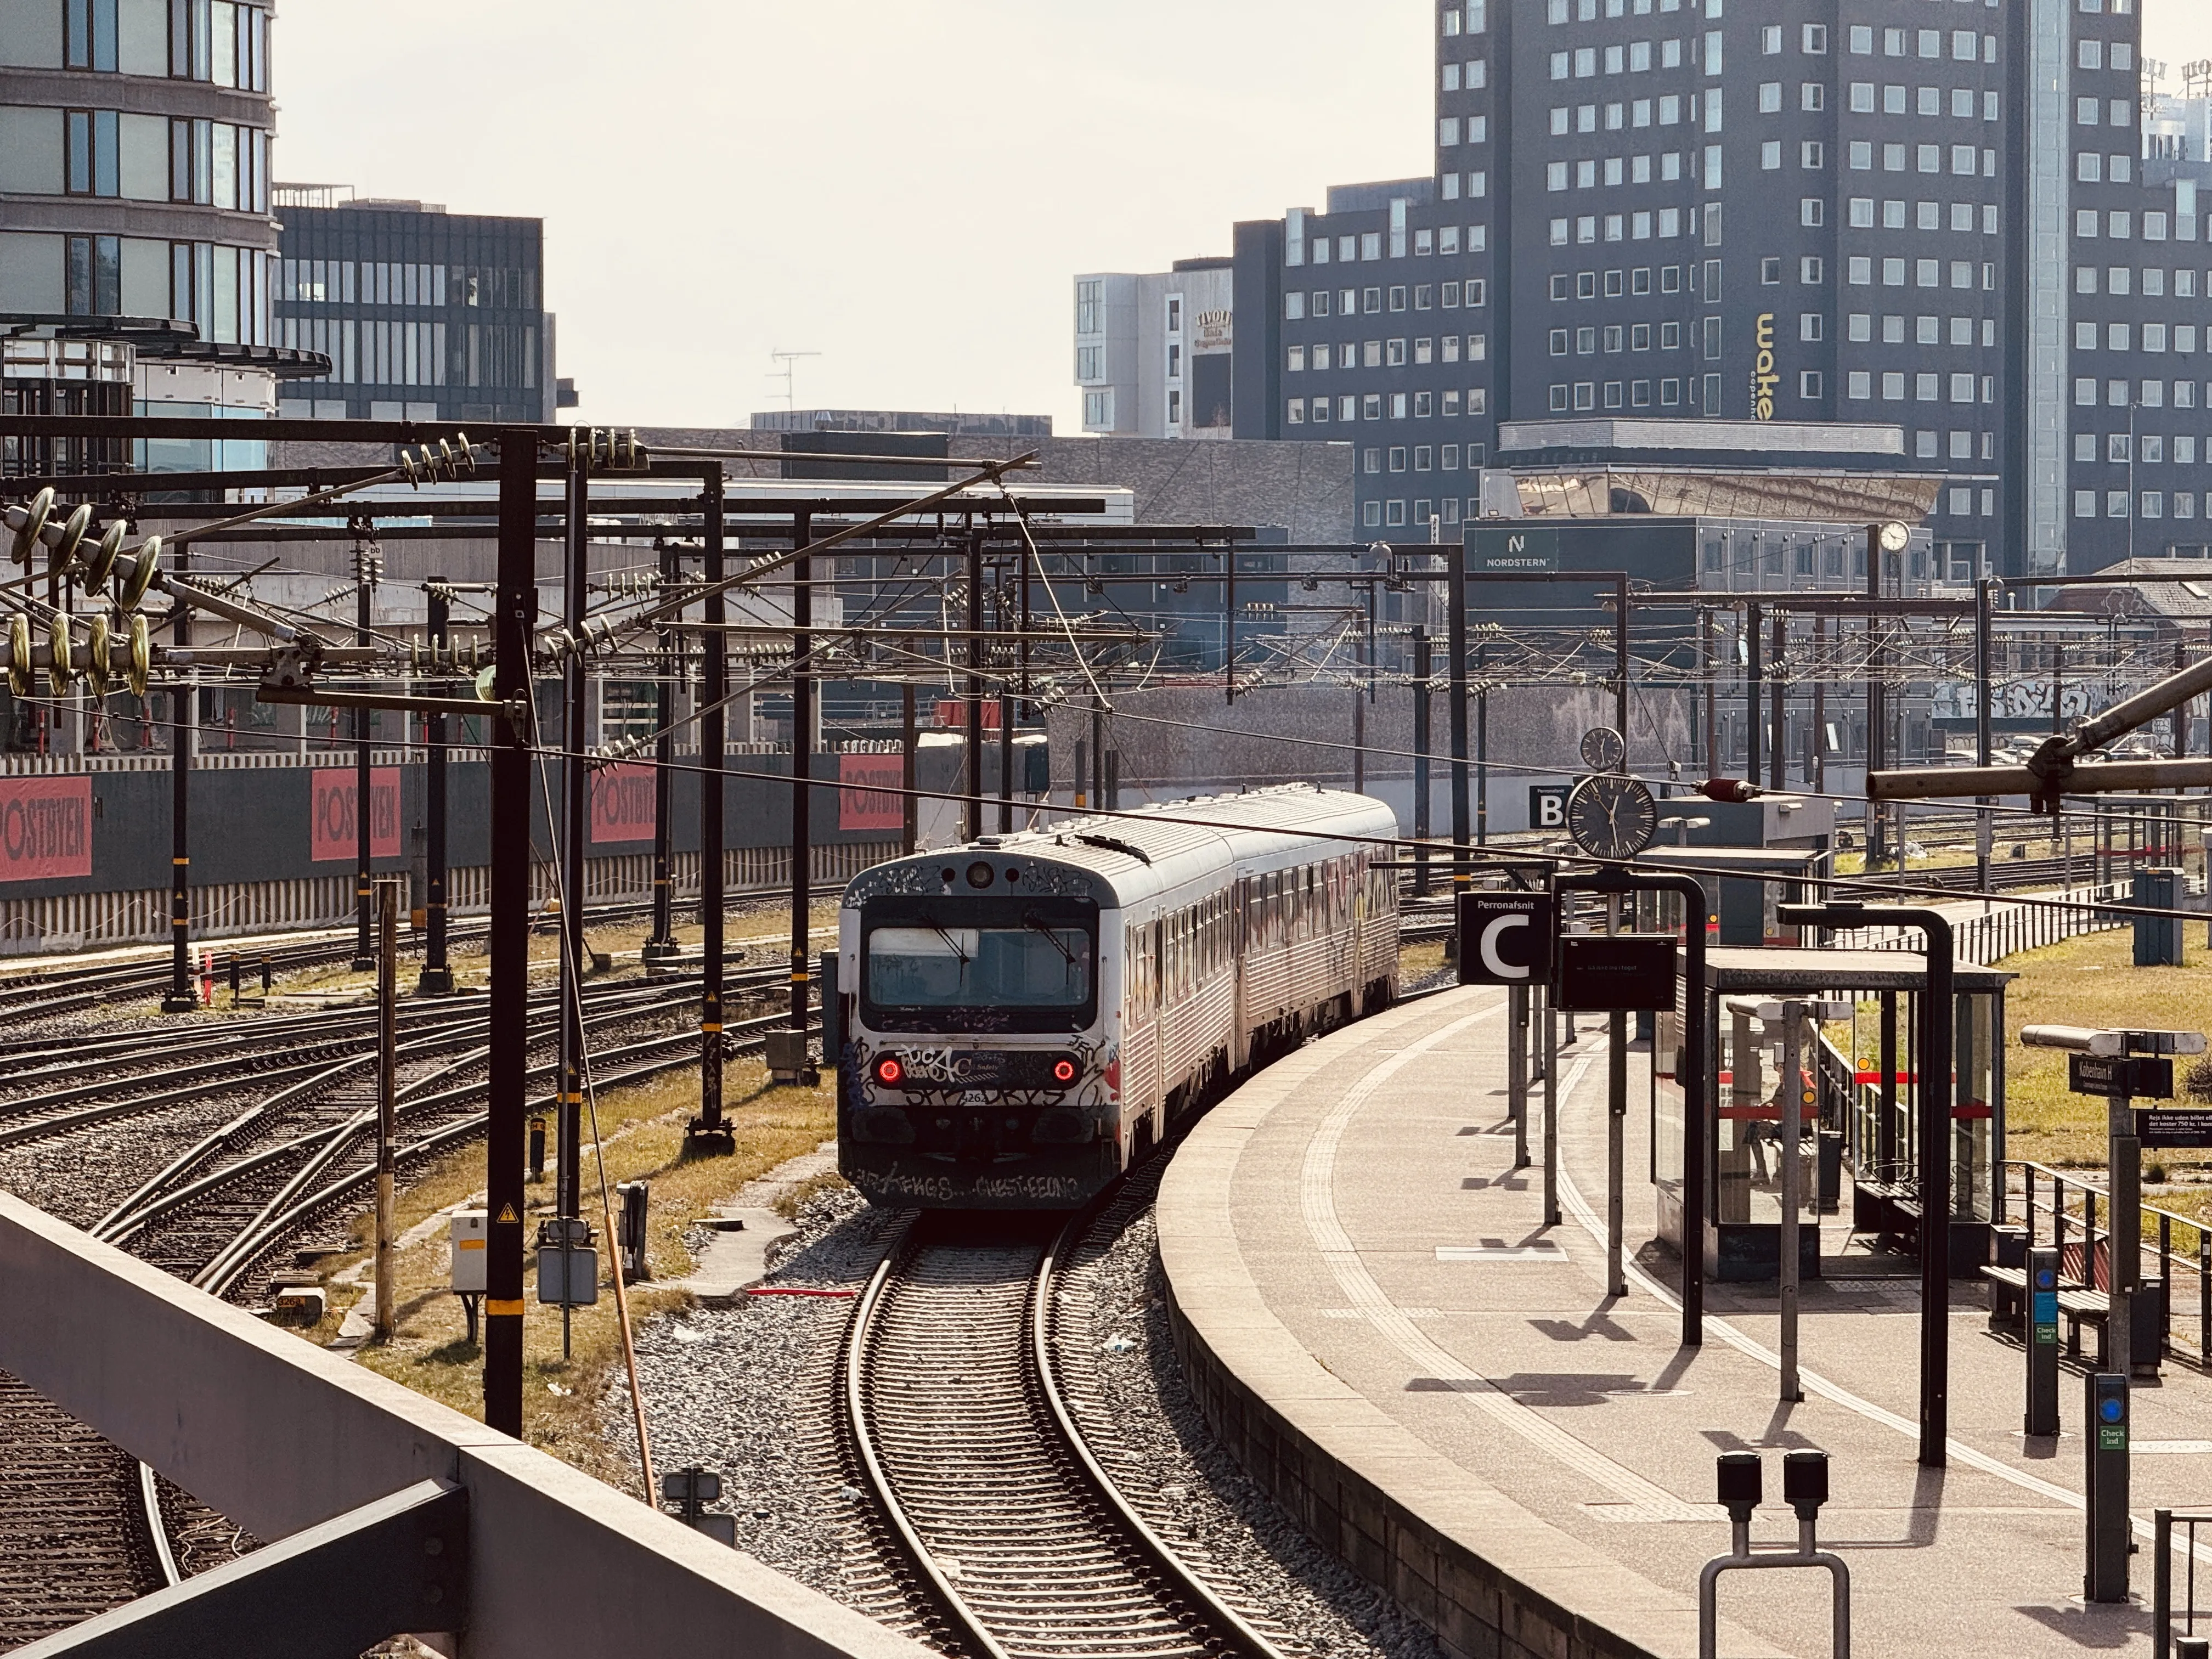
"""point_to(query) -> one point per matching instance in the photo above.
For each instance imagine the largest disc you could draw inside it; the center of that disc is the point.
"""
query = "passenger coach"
(1018, 1020)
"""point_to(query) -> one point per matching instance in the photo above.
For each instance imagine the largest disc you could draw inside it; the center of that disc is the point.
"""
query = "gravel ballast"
(746, 1391)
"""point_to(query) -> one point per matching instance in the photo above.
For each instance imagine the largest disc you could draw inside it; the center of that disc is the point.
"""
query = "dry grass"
(2091, 980)
(1418, 962)
(642, 1129)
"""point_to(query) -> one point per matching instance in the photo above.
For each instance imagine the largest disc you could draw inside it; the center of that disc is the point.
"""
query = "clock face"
(1612, 817)
(1895, 538)
(1602, 748)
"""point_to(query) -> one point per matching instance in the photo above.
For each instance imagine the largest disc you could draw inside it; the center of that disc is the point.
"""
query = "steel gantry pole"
(1984, 591)
(1754, 688)
(662, 944)
(802, 780)
(1482, 744)
(1455, 644)
(574, 818)
(516, 610)
(972, 826)
(1777, 759)
(1422, 668)
(1006, 716)
(184, 727)
(909, 740)
(1620, 663)
(436, 978)
(364, 792)
(708, 1128)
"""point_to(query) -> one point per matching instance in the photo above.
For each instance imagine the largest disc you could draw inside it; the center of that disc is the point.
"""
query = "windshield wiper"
(1037, 924)
(955, 943)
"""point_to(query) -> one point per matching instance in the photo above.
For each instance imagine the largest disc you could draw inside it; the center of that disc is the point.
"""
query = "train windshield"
(955, 964)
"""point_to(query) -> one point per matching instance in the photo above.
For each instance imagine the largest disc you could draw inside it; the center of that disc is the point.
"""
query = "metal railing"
(2084, 1247)
(2163, 1523)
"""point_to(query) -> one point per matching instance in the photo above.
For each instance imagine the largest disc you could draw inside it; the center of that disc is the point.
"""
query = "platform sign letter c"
(1492, 930)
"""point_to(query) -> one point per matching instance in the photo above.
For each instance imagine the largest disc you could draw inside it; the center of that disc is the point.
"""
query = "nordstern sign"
(46, 829)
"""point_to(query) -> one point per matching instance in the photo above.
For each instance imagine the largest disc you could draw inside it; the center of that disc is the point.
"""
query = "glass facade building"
(423, 314)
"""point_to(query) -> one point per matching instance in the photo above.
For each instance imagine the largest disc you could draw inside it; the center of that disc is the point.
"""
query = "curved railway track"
(297, 1160)
(1009, 1533)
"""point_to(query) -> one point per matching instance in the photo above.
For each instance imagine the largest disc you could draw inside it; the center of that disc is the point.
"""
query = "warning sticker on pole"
(866, 792)
(331, 835)
(46, 828)
(622, 806)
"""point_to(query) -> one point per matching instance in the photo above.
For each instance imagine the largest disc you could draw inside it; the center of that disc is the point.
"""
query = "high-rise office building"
(137, 252)
(424, 314)
(1949, 217)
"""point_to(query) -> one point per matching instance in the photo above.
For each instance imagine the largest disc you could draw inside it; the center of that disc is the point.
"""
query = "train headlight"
(890, 1071)
(1063, 1071)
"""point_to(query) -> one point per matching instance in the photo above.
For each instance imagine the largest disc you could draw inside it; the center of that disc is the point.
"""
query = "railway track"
(39, 993)
(960, 1434)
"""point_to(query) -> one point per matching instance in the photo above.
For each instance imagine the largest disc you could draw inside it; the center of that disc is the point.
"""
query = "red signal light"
(1063, 1071)
(889, 1071)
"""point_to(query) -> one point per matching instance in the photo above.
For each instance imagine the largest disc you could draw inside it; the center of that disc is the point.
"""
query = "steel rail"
(969, 1632)
(1140, 1561)
(242, 1254)
(1213, 1610)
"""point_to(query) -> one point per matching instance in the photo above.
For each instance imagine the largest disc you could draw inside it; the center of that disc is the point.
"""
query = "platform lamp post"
(1934, 1166)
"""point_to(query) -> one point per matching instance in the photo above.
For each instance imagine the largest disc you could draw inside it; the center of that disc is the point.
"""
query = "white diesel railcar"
(1016, 1021)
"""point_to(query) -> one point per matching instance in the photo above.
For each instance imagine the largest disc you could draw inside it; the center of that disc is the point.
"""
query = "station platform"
(1379, 1325)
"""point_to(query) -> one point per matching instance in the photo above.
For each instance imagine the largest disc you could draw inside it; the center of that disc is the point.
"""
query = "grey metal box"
(581, 1286)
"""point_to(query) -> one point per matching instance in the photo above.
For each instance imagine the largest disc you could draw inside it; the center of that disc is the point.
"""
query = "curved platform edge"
(1489, 1578)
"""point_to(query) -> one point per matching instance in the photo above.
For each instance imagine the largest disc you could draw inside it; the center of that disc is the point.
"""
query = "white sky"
(906, 188)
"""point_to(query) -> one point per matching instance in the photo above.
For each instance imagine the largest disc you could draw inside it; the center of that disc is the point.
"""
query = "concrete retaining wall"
(280, 1435)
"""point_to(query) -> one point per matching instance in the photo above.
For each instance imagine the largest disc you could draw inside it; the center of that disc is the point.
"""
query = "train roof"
(1153, 848)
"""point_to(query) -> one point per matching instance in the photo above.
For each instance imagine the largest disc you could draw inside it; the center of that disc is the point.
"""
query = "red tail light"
(890, 1071)
(1063, 1071)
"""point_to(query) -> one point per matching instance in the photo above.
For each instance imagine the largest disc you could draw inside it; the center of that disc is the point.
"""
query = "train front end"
(976, 1044)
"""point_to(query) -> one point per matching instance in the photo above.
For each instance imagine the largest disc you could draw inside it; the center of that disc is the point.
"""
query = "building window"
(1371, 515)
(95, 275)
(92, 166)
(1295, 411)
(1098, 409)
(88, 34)
(1370, 406)
(1558, 400)
(1397, 460)
(1585, 395)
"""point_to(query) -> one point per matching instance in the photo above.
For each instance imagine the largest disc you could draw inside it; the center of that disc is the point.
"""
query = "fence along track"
(982, 1478)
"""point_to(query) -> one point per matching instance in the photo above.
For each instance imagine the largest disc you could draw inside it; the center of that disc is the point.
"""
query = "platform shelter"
(1862, 1075)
